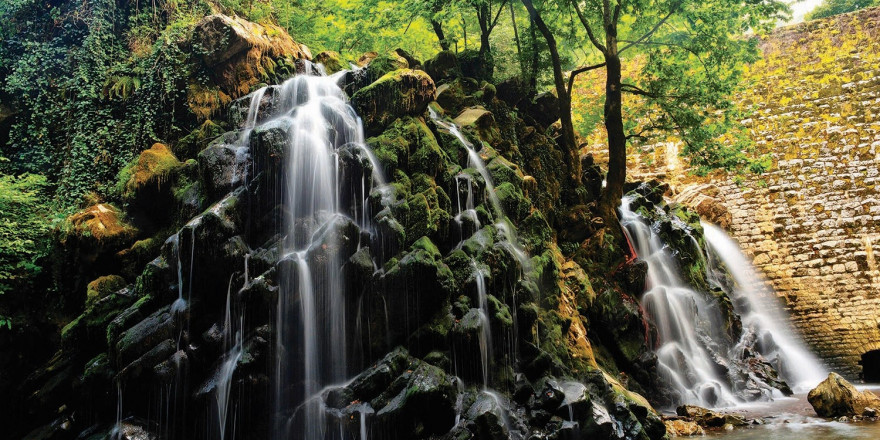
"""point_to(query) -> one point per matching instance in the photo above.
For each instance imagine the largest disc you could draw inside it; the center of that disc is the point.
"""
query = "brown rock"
(239, 52)
(682, 428)
(835, 397)
(701, 416)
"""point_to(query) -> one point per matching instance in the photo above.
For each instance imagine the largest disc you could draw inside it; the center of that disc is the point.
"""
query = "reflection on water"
(794, 419)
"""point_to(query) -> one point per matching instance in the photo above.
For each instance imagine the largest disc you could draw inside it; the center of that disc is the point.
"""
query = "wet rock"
(702, 416)
(88, 331)
(221, 168)
(331, 60)
(424, 407)
(144, 336)
(487, 418)
(835, 397)
(397, 93)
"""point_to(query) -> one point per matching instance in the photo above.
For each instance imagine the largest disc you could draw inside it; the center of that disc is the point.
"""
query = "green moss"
(102, 287)
(154, 166)
(512, 200)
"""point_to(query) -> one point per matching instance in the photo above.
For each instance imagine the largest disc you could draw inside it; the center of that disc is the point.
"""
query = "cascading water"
(311, 323)
(695, 357)
(761, 314)
(684, 320)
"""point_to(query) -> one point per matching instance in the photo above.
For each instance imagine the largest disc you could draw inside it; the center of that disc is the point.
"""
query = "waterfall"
(696, 358)
(762, 316)
(312, 329)
(684, 320)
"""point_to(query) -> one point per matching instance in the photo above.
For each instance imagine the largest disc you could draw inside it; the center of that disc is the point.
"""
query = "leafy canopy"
(833, 7)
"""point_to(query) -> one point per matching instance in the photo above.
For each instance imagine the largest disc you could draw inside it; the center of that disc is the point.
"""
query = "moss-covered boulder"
(103, 287)
(97, 228)
(443, 66)
(331, 61)
(397, 93)
(423, 407)
(155, 166)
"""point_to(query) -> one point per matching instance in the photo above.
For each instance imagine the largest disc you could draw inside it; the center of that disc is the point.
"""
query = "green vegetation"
(833, 7)
(24, 232)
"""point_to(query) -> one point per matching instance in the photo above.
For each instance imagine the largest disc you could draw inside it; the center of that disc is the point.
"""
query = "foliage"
(95, 82)
(24, 229)
(682, 65)
(833, 7)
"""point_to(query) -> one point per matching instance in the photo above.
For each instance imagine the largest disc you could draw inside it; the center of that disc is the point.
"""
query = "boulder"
(545, 110)
(221, 168)
(154, 168)
(98, 227)
(331, 61)
(443, 66)
(103, 287)
(397, 93)
(424, 406)
(835, 397)
(706, 200)
(240, 54)
(683, 428)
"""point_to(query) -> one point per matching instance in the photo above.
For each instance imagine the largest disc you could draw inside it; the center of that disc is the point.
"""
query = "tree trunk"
(438, 29)
(616, 176)
(519, 56)
(567, 142)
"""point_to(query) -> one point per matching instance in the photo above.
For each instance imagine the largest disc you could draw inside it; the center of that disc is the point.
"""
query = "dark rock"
(424, 407)
(545, 110)
(443, 66)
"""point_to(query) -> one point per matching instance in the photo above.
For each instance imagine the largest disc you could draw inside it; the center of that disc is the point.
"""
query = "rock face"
(835, 397)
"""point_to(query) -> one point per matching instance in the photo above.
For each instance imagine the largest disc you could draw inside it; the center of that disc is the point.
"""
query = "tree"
(691, 53)
(833, 7)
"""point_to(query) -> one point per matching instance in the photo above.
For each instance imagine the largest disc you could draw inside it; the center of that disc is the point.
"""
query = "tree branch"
(587, 26)
(578, 71)
(497, 15)
(653, 30)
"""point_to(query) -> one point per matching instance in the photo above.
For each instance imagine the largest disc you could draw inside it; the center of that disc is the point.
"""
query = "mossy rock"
(154, 166)
(87, 332)
(408, 144)
(385, 63)
(98, 227)
(196, 140)
(331, 60)
(443, 66)
(103, 287)
(397, 93)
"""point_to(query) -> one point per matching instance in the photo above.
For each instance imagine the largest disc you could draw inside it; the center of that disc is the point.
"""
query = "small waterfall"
(223, 378)
(762, 315)
(486, 327)
(511, 241)
(684, 319)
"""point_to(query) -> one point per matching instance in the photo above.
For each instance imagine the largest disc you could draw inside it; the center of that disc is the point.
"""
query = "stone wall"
(812, 223)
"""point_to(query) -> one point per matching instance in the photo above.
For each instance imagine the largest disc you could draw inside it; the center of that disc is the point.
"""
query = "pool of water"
(792, 418)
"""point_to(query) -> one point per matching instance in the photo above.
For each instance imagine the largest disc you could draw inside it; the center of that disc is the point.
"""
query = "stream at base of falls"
(792, 418)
